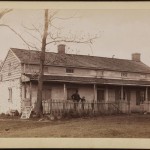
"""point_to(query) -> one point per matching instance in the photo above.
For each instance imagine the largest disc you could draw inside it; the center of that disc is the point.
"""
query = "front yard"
(119, 126)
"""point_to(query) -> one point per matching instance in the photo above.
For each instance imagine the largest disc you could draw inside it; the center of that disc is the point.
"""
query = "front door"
(100, 98)
(100, 95)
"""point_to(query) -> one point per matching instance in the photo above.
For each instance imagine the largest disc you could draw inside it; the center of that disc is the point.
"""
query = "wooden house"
(99, 79)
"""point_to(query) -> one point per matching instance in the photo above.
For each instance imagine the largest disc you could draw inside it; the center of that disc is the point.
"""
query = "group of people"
(76, 97)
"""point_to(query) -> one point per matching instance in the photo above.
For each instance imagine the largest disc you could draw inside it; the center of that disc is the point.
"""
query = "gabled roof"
(81, 61)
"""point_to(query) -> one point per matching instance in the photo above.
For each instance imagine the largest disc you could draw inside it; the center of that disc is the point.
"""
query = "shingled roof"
(81, 61)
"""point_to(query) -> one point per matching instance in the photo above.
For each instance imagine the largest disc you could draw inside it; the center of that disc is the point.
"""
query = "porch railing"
(67, 107)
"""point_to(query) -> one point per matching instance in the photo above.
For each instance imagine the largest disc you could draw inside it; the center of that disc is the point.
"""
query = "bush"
(16, 113)
(2, 114)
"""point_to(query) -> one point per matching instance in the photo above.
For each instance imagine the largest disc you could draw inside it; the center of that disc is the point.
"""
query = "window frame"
(71, 70)
(10, 94)
(124, 74)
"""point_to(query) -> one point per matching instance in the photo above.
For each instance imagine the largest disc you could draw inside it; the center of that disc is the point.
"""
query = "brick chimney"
(61, 48)
(136, 56)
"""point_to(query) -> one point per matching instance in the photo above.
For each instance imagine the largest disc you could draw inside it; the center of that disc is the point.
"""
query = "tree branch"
(4, 25)
(33, 29)
(71, 17)
(2, 13)
(73, 41)
(34, 36)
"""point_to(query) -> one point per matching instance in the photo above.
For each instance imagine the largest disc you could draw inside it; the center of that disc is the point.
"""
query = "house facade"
(98, 79)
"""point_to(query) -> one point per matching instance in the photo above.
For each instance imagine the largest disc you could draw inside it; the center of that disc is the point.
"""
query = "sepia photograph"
(75, 72)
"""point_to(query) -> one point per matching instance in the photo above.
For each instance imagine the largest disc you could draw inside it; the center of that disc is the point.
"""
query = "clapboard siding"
(11, 65)
(15, 104)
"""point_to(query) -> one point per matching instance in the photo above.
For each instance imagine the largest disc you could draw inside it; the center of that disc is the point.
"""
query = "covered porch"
(126, 96)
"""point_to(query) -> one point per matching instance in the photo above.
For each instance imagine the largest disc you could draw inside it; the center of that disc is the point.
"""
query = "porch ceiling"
(89, 80)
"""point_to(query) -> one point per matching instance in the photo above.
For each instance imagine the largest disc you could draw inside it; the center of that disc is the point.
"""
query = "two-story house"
(99, 79)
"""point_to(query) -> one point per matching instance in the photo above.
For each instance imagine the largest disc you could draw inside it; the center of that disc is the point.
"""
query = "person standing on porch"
(76, 98)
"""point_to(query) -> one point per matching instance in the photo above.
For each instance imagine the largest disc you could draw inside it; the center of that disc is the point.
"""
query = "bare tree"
(53, 39)
(39, 110)
(48, 37)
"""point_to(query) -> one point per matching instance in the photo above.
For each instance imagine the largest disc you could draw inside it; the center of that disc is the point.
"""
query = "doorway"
(100, 95)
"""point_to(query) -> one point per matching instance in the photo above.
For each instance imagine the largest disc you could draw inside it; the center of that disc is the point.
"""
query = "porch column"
(24, 68)
(95, 91)
(30, 93)
(106, 94)
(146, 95)
(25, 91)
(121, 102)
(146, 106)
(65, 96)
(122, 93)
(106, 99)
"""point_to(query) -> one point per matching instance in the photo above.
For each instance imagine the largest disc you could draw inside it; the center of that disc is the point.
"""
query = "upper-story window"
(69, 70)
(124, 74)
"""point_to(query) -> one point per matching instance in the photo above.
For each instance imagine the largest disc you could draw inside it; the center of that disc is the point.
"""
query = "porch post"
(94, 99)
(24, 68)
(146, 94)
(106, 95)
(146, 100)
(65, 97)
(30, 93)
(122, 93)
(106, 99)
(121, 102)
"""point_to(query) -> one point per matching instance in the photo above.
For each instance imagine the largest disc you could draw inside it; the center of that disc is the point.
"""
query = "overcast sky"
(121, 32)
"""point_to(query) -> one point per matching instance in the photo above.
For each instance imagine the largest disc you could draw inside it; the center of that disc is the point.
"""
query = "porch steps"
(26, 112)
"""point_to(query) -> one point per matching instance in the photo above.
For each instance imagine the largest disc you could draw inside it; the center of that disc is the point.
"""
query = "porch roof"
(89, 80)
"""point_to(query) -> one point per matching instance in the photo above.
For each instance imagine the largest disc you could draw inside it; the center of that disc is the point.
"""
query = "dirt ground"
(120, 126)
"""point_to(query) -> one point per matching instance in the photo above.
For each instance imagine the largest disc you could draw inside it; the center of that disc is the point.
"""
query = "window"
(118, 94)
(140, 97)
(69, 70)
(10, 94)
(124, 74)
(100, 95)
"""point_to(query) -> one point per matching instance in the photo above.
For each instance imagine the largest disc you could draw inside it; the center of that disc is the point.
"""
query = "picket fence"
(68, 107)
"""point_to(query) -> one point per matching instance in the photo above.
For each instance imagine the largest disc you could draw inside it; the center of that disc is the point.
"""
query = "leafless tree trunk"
(39, 108)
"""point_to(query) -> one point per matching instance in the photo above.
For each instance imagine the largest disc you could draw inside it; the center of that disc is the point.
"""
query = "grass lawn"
(121, 126)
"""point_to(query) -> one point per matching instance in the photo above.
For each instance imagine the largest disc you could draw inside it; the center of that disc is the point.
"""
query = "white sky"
(122, 32)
